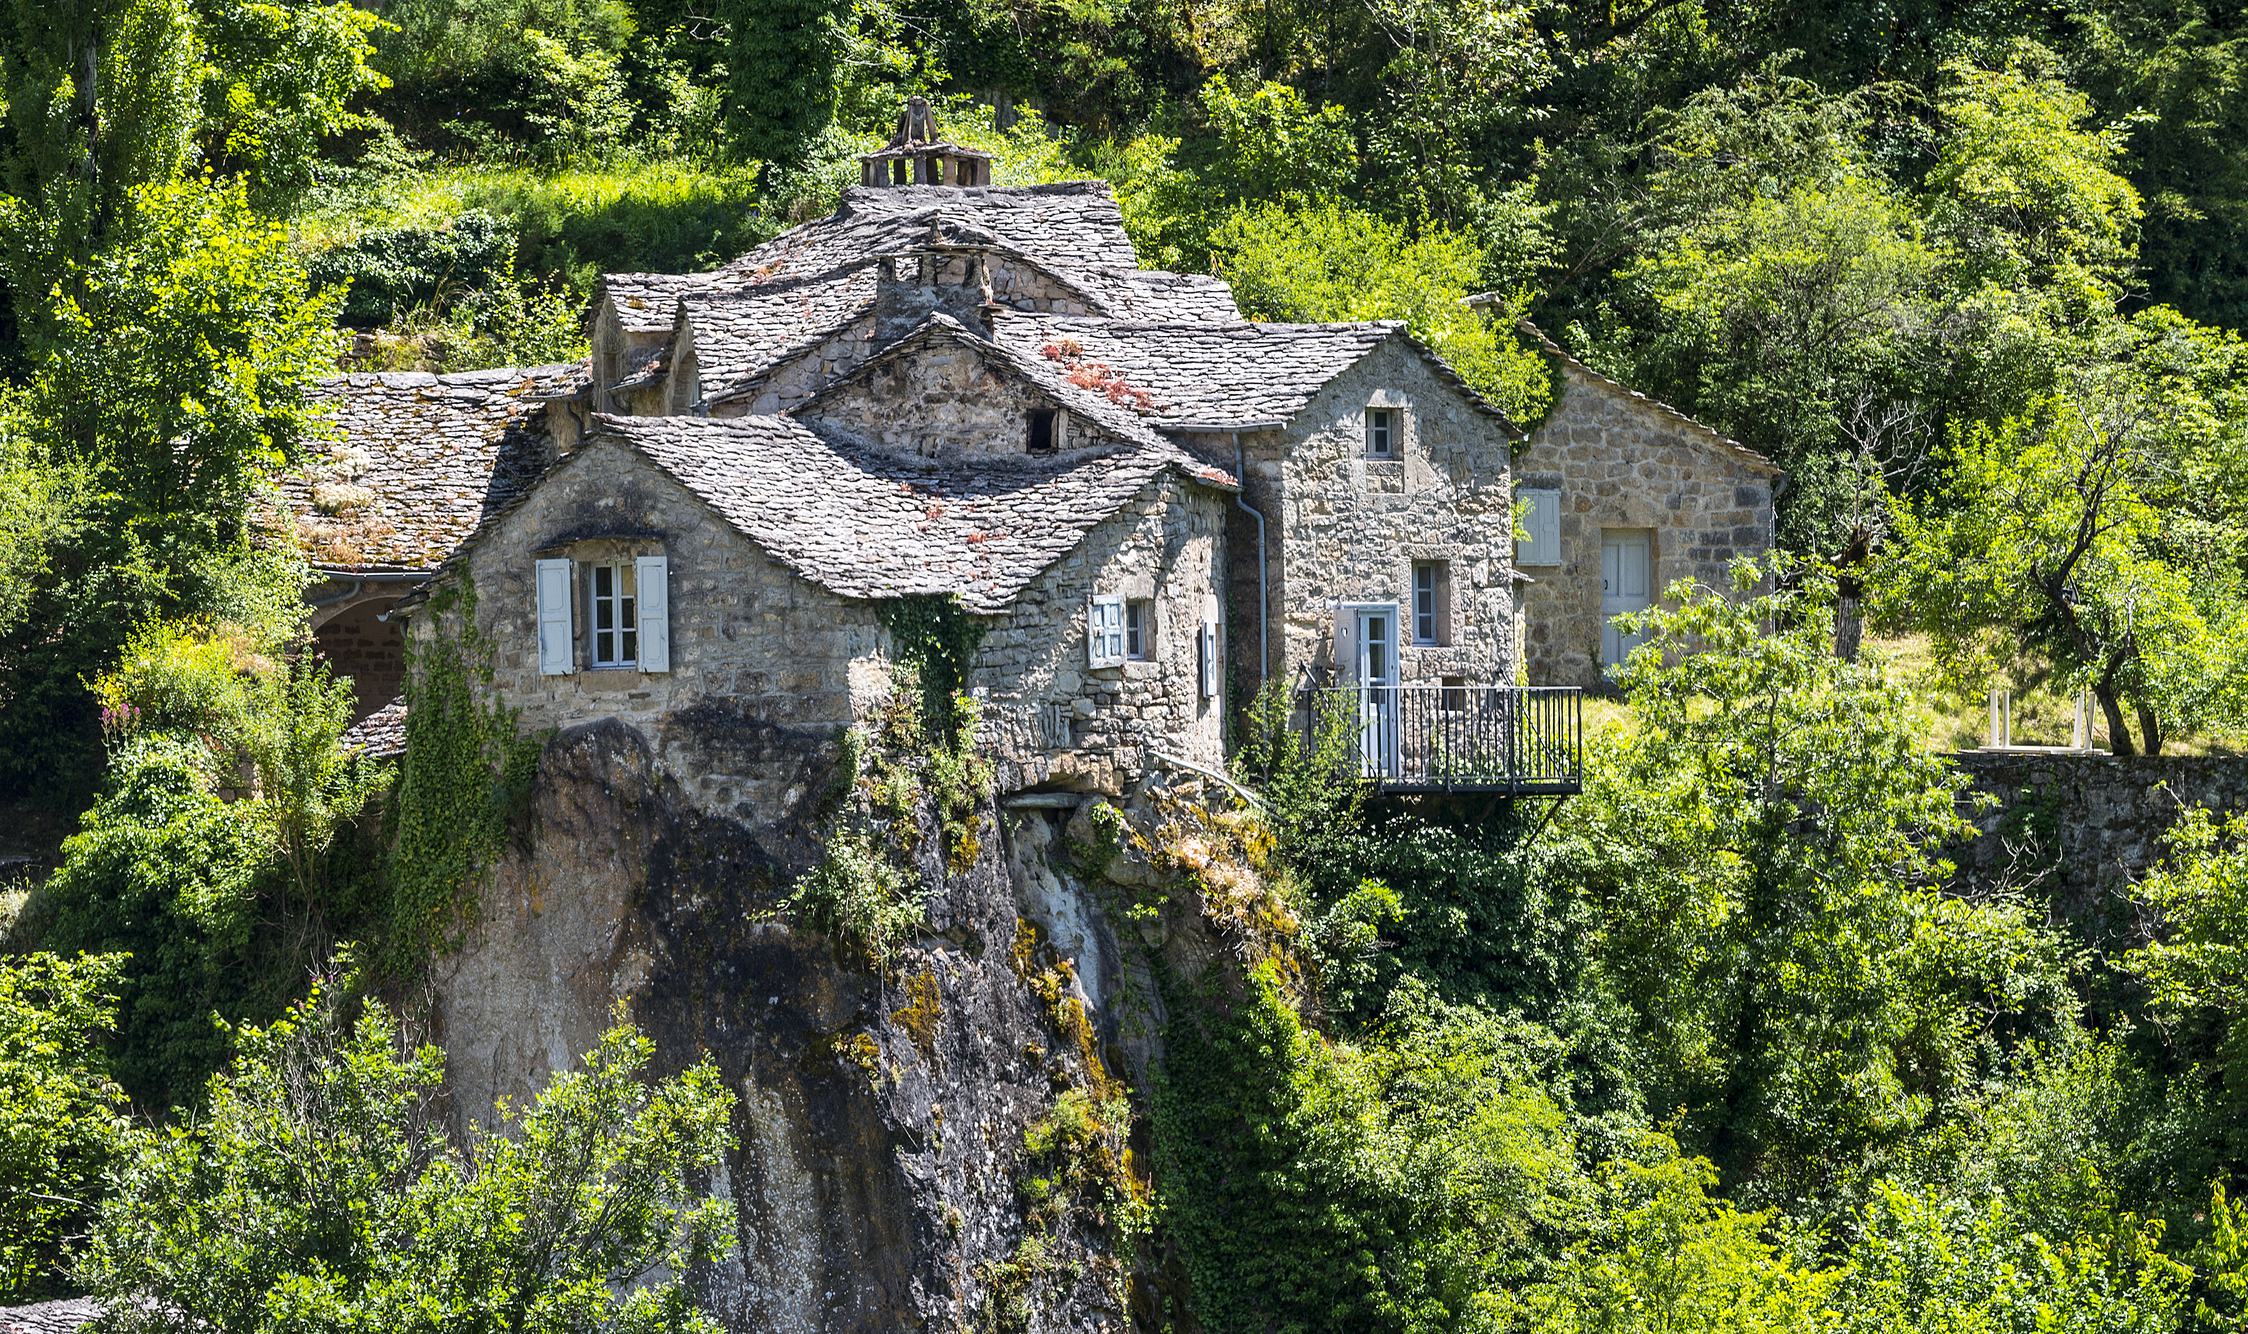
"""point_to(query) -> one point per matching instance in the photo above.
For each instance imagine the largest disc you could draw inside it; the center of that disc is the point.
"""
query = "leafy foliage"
(58, 1112)
(318, 1191)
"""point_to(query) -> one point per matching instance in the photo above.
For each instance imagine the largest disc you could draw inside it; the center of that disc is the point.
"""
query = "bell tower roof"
(916, 156)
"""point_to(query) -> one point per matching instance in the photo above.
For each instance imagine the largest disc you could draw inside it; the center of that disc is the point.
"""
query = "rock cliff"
(939, 1141)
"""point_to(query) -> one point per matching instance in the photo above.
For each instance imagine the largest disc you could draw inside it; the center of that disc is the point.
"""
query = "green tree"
(318, 1191)
(1761, 849)
(780, 60)
(59, 1121)
(2043, 539)
(1326, 260)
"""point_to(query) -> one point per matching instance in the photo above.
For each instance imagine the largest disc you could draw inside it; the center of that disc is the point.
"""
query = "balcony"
(1510, 740)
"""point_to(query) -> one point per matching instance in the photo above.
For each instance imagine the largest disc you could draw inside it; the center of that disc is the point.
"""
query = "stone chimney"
(916, 156)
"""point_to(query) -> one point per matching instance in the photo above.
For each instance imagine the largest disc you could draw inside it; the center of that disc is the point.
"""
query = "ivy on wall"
(936, 636)
(465, 779)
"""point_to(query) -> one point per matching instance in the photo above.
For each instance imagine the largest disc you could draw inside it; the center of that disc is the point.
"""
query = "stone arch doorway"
(371, 652)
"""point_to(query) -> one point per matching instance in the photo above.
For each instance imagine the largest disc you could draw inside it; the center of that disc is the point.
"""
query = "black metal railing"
(1516, 739)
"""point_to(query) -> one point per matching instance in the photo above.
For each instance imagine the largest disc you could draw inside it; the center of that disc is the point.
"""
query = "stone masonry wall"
(766, 668)
(1621, 460)
(1052, 719)
(943, 400)
(1345, 528)
(2076, 830)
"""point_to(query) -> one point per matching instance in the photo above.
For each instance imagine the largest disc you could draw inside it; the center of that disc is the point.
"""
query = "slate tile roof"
(63, 1317)
(741, 331)
(419, 461)
(868, 524)
(1070, 225)
(381, 733)
(1227, 376)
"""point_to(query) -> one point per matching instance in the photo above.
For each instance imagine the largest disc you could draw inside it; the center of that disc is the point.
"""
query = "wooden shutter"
(652, 583)
(1541, 525)
(1104, 631)
(557, 656)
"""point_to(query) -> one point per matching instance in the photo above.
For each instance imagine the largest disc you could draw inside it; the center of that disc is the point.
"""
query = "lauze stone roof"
(421, 459)
(870, 524)
(63, 1317)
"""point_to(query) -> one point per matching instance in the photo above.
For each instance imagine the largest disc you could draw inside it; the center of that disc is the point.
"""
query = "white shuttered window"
(1541, 521)
(556, 655)
(1208, 645)
(653, 575)
(1104, 631)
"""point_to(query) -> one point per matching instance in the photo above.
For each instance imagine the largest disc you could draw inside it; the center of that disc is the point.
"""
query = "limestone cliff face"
(882, 1112)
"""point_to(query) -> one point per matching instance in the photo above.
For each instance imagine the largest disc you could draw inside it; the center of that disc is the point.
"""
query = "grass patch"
(660, 216)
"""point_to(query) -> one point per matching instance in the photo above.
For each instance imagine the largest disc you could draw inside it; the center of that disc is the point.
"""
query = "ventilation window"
(1042, 430)
(1381, 433)
(1453, 698)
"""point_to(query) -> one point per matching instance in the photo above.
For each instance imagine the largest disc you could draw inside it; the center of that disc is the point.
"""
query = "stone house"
(1621, 496)
(1154, 505)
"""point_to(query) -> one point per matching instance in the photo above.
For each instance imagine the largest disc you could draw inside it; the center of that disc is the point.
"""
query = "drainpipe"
(1264, 615)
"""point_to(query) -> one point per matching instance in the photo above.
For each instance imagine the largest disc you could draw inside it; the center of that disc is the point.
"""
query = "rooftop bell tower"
(916, 156)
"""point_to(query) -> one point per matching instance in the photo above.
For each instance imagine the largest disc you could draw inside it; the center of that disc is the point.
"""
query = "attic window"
(1041, 431)
(1381, 433)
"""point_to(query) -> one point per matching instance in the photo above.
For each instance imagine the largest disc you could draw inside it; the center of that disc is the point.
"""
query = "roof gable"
(1222, 377)
(1705, 436)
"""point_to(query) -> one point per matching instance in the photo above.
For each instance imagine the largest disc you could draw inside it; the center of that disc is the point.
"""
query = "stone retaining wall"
(2077, 829)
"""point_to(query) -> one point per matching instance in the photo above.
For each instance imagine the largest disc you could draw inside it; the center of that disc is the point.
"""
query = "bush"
(394, 270)
(165, 871)
(319, 1192)
(58, 1112)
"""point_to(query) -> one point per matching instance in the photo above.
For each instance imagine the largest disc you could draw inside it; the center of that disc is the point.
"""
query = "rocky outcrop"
(879, 1175)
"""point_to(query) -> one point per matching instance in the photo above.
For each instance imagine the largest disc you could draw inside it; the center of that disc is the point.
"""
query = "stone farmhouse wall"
(944, 400)
(1341, 527)
(369, 651)
(1623, 461)
(1053, 720)
(766, 667)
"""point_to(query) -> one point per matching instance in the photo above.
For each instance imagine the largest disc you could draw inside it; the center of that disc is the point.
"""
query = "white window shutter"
(556, 652)
(1209, 645)
(652, 583)
(1346, 643)
(1104, 631)
(1541, 525)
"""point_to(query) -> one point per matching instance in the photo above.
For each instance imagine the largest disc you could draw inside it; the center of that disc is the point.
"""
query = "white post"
(2001, 719)
(2083, 720)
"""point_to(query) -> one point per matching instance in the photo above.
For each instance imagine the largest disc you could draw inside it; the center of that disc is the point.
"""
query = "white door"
(1624, 588)
(1377, 682)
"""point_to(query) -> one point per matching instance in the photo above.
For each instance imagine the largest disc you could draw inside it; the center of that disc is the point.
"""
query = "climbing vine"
(934, 634)
(466, 779)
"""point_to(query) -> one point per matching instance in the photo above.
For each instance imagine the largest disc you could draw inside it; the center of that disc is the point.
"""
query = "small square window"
(1453, 698)
(1041, 431)
(1381, 433)
(1139, 630)
(616, 618)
